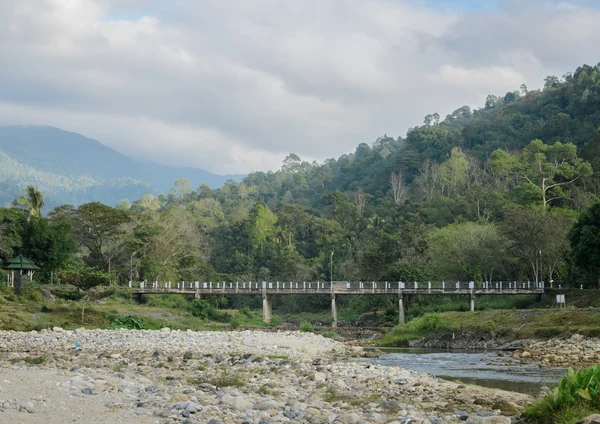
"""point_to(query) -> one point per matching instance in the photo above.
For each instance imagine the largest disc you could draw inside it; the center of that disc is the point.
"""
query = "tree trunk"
(82, 312)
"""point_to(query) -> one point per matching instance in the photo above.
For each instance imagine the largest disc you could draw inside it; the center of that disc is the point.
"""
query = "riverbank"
(576, 352)
(492, 329)
(229, 377)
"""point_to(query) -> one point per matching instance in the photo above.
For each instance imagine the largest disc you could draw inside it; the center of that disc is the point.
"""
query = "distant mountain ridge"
(72, 169)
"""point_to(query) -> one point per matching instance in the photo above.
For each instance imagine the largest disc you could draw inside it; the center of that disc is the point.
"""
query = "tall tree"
(95, 226)
(399, 188)
(47, 243)
(545, 169)
(476, 251)
(585, 240)
(32, 200)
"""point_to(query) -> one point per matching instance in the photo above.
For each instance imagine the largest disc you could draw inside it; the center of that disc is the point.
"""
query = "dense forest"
(486, 194)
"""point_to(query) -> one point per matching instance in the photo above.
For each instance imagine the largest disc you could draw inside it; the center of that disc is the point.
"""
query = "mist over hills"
(72, 169)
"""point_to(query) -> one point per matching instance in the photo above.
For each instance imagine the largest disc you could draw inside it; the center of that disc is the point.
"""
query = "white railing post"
(429, 286)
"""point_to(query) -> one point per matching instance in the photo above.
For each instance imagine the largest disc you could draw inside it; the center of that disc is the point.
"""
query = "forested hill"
(566, 110)
(71, 168)
(486, 194)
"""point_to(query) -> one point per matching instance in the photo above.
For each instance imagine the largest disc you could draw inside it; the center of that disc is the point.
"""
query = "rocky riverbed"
(577, 352)
(121, 376)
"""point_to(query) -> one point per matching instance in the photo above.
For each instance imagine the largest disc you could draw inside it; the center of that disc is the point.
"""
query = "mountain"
(71, 168)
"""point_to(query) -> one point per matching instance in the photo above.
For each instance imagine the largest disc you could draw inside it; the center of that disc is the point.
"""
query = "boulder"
(507, 408)
(592, 419)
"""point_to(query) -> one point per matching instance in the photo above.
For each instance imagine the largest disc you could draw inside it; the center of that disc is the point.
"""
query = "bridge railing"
(338, 286)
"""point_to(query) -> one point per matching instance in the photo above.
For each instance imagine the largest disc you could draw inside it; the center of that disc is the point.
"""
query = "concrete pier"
(333, 311)
(472, 297)
(267, 308)
(401, 310)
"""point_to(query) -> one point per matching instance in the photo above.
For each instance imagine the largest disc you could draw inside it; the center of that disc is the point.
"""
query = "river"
(484, 368)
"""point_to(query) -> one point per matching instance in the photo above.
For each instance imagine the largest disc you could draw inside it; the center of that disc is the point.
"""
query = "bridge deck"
(354, 288)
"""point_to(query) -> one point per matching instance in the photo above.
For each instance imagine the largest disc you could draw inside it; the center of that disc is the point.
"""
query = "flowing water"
(473, 367)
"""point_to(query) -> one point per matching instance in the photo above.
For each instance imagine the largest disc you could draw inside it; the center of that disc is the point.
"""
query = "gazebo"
(19, 267)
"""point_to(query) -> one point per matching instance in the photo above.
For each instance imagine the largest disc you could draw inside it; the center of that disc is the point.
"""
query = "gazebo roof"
(21, 262)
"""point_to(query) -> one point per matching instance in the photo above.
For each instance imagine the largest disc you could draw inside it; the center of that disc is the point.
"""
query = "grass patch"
(306, 327)
(510, 324)
(223, 381)
(35, 360)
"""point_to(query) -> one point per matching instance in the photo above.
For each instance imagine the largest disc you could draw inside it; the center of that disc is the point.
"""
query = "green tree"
(538, 240)
(470, 250)
(48, 244)
(32, 200)
(545, 169)
(85, 280)
(261, 225)
(95, 227)
(585, 240)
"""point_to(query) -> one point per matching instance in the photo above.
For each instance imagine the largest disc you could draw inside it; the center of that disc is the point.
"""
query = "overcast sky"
(236, 85)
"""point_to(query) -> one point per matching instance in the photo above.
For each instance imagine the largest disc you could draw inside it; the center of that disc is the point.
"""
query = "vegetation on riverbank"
(501, 324)
(576, 396)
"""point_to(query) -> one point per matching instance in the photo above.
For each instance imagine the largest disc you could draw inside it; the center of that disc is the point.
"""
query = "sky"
(233, 86)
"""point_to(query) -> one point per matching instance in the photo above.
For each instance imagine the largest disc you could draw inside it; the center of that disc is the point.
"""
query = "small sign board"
(560, 298)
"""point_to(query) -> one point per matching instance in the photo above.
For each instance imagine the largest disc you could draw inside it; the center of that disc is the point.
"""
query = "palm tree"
(32, 199)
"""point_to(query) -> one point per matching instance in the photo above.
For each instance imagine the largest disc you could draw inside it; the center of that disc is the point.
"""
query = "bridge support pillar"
(333, 311)
(267, 308)
(401, 310)
(472, 297)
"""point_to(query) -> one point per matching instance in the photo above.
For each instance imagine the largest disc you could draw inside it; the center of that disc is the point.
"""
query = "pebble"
(241, 377)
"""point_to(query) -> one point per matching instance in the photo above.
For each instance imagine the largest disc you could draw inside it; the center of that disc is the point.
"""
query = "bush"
(399, 342)
(234, 321)
(431, 323)
(124, 294)
(30, 293)
(101, 294)
(68, 294)
(306, 327)
(131, 322)
(576, 392)
(200, 308)
(275, 321)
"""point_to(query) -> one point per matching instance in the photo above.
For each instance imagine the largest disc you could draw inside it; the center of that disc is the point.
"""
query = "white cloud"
(232, 86)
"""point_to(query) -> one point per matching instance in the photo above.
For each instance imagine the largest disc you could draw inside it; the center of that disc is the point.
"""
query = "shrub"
(200, 308)
(576, 392)
(30, 293)
(306, 327)
(132, 322)
(399, 342)
(68, 294)
(234, 321)
(275, 321)
(431, 323)
(35, 360)
(101, 294)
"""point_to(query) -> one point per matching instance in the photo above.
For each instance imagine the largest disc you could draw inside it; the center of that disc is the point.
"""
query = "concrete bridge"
(333, 289)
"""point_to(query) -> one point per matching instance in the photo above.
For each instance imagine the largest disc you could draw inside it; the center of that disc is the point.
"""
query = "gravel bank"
(577, 352)
(222, 377)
